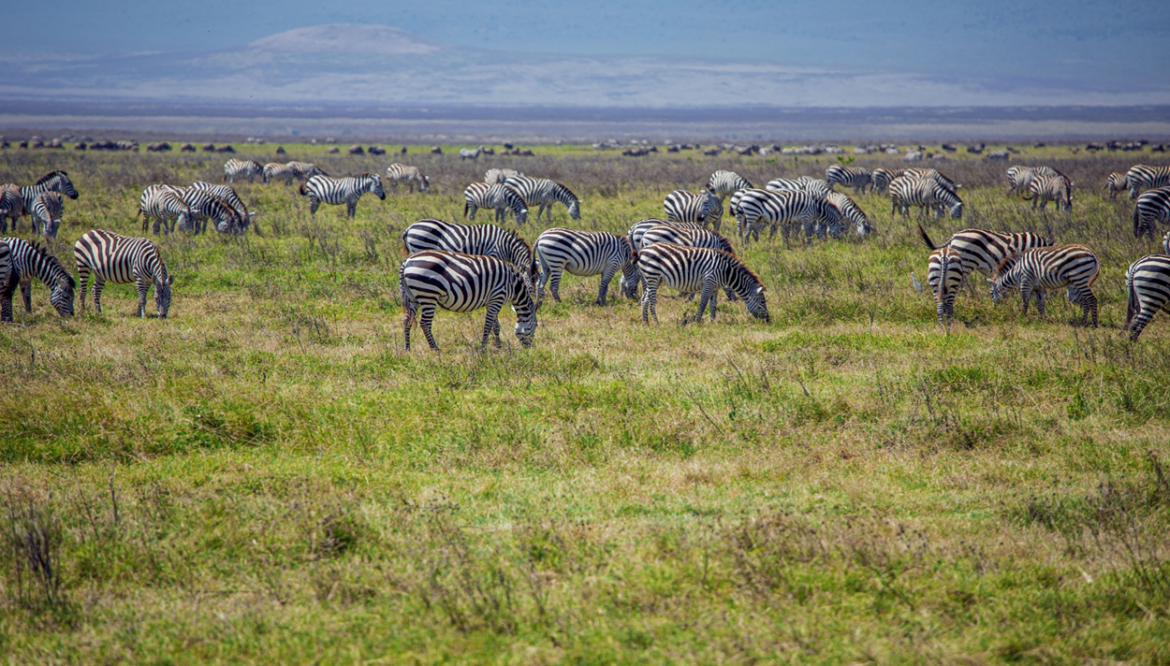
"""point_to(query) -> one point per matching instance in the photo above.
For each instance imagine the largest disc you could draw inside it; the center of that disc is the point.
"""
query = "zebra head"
(59, 181)
(631, 276)
(61, 296)
(424, 184)
(575, 209)
(1006, 278)
(957, 211)
(525, 318)
(756, 303)
(162, 295)
(376, 185)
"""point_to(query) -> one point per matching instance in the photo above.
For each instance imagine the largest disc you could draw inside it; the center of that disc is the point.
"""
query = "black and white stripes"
(908, 190)
(757, 208)
(234, 170)
(725, 183)
(585, 253)
(854, 177)
(697, 269)
(1045, 187)
(1039, 269)
(111, 257)
(47, 209)
(1147, 288)
(485, 239)
(1151, 208)
(544, 193)
(703, 208)
(1144, 177)
(323, 189)
(165, 205)
(498, 197)
(26, 261)
(407, 175)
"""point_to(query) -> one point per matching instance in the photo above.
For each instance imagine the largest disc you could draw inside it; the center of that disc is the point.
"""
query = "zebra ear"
(170, 280)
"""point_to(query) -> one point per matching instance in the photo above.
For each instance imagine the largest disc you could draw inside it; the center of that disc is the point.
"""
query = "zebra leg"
(143, 287)
(83, 279)
(98, 283)
(491, 323)
(1139, 323)
(554, 284)
(649, 301)
(350, 208)
(26, 294)
(1089, 304)
(6, 291)
(427, 318)
(1040, 302)
(409, 311)
(314, 203)
(606, 277)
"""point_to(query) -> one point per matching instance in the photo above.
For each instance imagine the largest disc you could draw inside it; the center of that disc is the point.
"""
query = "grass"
(267, 477)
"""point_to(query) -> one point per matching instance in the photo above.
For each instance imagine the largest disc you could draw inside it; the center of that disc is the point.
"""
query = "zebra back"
(57, 181)
(701, 208)
(482, 239)
(848, 176)
(882, 177)
(686, 235)
(686, 268)
(1151, 207)
(1075, 266)
(47, 209)
(1144, 176)
(724, 183)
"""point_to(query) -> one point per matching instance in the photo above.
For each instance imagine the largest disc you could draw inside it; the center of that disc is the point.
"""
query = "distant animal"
(234, 170)
(323, 189)
(47, 209)
(225, 149)
(164, 204)
(436, 150)
(186, 148)
(1048, 187)
(998, 155)
(28, 260)
(280, 150)
(407, 175)
(277, 171)
(376, 150)
(462, 283)
(907, 191)
(1147, 288)
(1039, 269)
(544, 193)
(700, 269)
(1020, 177)
(1144, 177)
(1115, 184)
(208, 147)
(465, 154)
(111, 257)
(848, 176)
(703, 208)
(1151, 207)
(498, 197)
(585, 253)
(485, 239)
(356, 150)
(160, 147)
(306, 170)
(785, 209)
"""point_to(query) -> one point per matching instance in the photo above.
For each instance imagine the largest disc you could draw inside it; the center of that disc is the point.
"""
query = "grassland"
(267, 477)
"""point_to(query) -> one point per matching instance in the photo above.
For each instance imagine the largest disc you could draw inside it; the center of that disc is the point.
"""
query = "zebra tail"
(1131, 304)
(466, 205)
(926, 239)
(1137, 222)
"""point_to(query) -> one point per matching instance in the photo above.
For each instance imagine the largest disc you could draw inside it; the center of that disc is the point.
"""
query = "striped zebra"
(1115, 184)
(467, 154)
(26, 261)
(204, 206)
(849, 210)
(703, 208)
(235, 169)
(700, 269)
(47, 209)
(882, 177)
(936, 176)
(585, 253)
(227, 194)
(407, 175)
(725, 183)
(1147, 288)
(323, 189)
(544, 193)
(165, 205)
(848, 176)
(1151, 207)
(276, 171)
(498, 197)
(111, 257)
(11, 206)
(1140, 177)
(485, 239)
(638, 230)
(306, 170)
(499, 176)
(690, 235)
(463, 283)
(785, 209)
(813, 186)
(5, 264)
(1039, 269)
(54, 181)
(1046, 187)
(1020, 177)
(944, 275)
(907, 191)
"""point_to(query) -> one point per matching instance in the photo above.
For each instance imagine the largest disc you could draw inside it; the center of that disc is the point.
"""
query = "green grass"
(268, 477)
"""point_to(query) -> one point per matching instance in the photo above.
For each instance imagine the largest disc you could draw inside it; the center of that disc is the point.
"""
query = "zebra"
(1042, 268)
(725, 183)
(485, 239)
(908, 190)
(164, 203)
(408, 175)
(46, 213)
(936, 176)
(803, 184)
(1139, 177)
(1147, 288)
(700, 269)
(983, 250)
(1020, 177)
(1151, 207)
(499, 176)
(499, 197)
(111, 257)
(784, 208)
(202, 206)
(306, 170)
(850, 211)
(462, 283)
(466, 154)
(275, 170)
(585, 253)
(1115, 184)
(854, 177)
(882, 177)
(54, 181)
(691, 235)
(235, 169)
(703, 208)
(1047, 187)
(226, 194)
(638, 230)
(341, 191)
(545, 193)
(944, 275)
(11, 206)
(28, 260)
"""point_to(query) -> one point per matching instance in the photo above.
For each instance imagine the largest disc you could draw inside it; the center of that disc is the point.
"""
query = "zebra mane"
(1007, 263)
(50, 176)
(54, 263)
(741, 266)
(561, 189)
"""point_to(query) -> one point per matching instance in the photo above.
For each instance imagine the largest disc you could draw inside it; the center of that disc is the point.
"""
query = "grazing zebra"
(703, 208)
(848, 176)
(11, 206)
(1147, 285)
(228, 195)
(700, 269)
(725, 183)
(275, 170)
(408, 175)
(907, 191)
(690, 235)
(1020, 177)
(882, 177)
(759, 207)
(205, 206)
(306, 170)
(47, 209)
(585, 253)
(121, 259)
(499, 197)
(933, 174)
(944, 275)
(983, 250)
(1152, 207)
(462, 283)
(26, 261)
(485, 239)
(235, 169)
(465, 154)
(498, 176)
(850, 211)
(323, 189)
(1139, 177)
(545, 193)
(164, 203)
(1048, 187)
(1115, 184)
(1042, 268)
(54, 181)
(803, 184)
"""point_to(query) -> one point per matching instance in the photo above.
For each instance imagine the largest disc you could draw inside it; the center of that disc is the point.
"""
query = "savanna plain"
(267, 476)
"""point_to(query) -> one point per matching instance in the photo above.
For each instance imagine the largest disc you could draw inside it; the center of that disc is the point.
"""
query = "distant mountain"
(373, 64)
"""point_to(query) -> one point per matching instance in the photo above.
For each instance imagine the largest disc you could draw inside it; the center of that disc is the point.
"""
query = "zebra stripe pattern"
(499, 197)
(26, 261)
(585, 253)
(54, 181)
(5, 264)
(11, 206)
(203, 206)
(1147, 288)
(1144, 177)
(848, 176)
(407, 175)
(463, 283)
(485, 239)
(1115, 184)
(907, 191)
(544, 193)
(692, 236)
(813, 186)
(698, 269)
(335, 191)
(306, 170)
(1039, 269)
(1045, 187)
(499, 176)
(47, 209)
(637, 232)
(227, 195)
(882, 177)
(466, 154)
(1020, 177)
(725, 183)
(1151, 208)
(703, 208)
(275, 170)
(111, 257)
(164, 204)
(944, 275)
(235, 169)
(850, 211)
(783, 209)
(983, 250)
